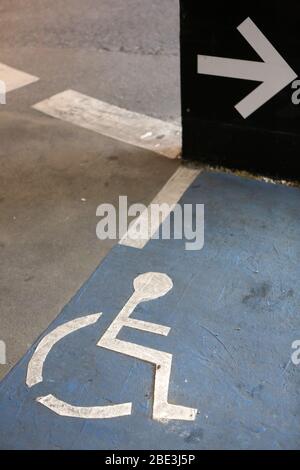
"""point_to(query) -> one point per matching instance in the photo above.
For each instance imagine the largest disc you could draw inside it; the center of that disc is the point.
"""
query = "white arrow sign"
(274, 72)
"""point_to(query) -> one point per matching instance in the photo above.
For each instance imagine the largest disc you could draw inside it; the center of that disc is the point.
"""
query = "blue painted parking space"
(165, 348)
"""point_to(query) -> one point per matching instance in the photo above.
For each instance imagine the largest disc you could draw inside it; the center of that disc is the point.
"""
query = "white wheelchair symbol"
(148, 286)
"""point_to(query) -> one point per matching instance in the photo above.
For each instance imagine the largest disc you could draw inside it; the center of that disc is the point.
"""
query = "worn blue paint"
(234, 313)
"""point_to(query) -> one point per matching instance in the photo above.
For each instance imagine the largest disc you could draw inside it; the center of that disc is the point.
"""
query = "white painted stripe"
(35, 375)
(94, 412)
(14, 78)
(170, 194)
(136, 129)
(146, 326)
(36, 364)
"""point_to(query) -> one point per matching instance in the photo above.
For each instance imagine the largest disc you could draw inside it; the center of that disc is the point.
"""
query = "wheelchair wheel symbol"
(148, 286)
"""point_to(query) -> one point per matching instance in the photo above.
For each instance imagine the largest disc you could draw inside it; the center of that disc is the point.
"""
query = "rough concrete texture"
(125, 53)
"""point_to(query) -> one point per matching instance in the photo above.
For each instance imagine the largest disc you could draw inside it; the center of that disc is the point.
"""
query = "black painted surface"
(268, 141)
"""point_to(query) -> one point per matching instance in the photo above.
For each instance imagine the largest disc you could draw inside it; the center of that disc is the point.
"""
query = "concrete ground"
(200, 351)
(53, 175)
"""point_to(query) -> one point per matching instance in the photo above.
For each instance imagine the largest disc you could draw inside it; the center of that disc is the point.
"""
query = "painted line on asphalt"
(14, 78)
(170, 194)
(132, 128)
(36, 364)
(35, 375)
(62, 408)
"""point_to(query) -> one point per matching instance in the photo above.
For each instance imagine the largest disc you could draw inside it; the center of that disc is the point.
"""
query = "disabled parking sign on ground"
(165, 348)
(148, 286)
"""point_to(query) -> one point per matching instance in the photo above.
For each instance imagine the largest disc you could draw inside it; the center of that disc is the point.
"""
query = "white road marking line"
(36, 364)
(132, 128)
(14, 78)
(146, 326)
(148, 286)
(170, 194)
(94, 412)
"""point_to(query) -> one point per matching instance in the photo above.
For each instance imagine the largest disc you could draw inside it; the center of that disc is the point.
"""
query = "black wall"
(268, 141)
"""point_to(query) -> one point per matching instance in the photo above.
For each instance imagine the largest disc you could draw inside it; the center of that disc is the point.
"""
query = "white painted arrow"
(274, 72)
